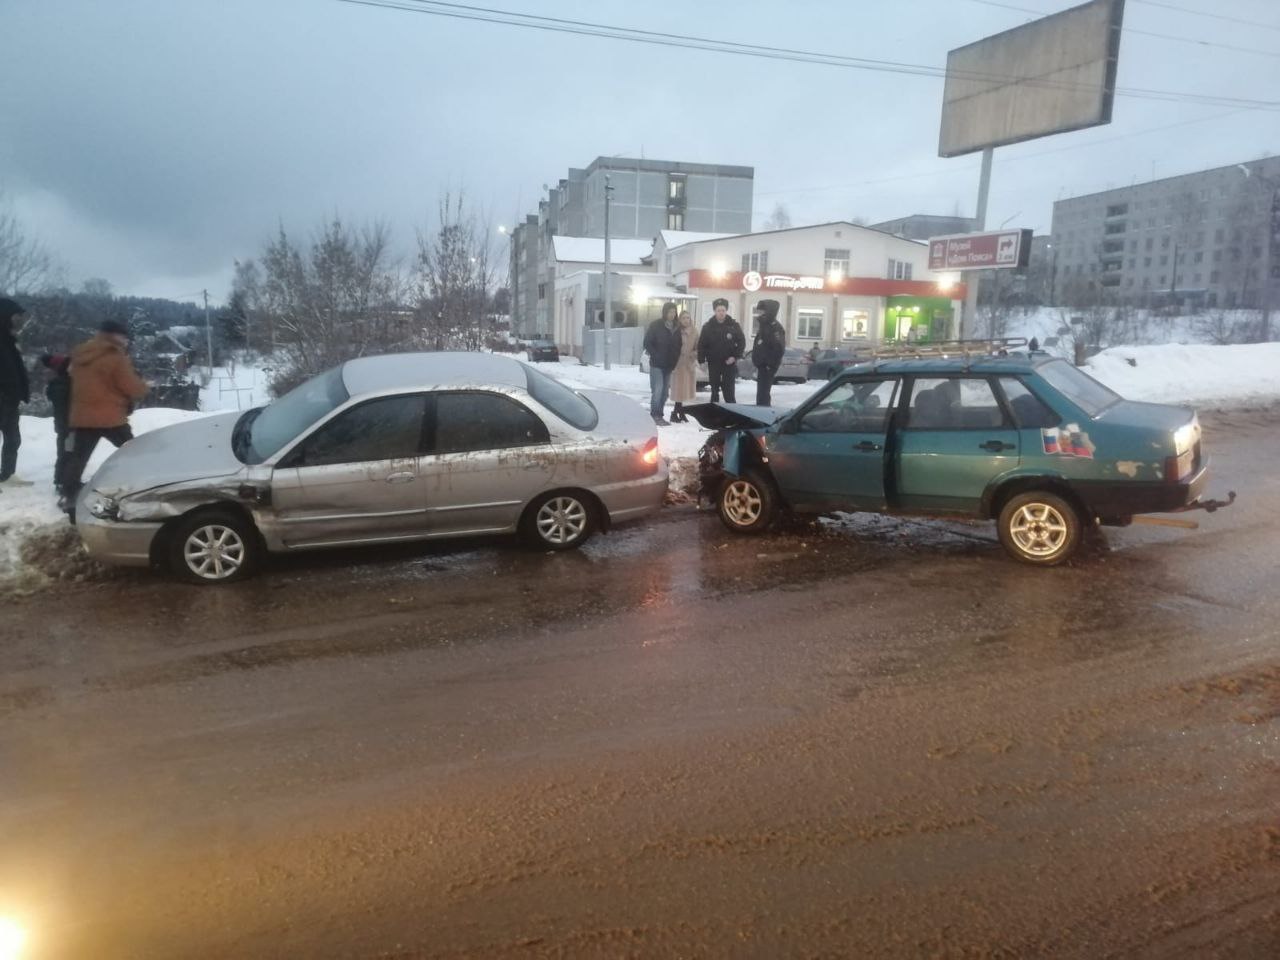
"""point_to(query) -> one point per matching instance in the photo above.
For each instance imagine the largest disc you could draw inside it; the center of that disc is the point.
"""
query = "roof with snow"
(591, 250)
(678, 238)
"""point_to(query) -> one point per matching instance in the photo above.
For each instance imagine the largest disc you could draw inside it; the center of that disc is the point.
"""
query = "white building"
(838, 284)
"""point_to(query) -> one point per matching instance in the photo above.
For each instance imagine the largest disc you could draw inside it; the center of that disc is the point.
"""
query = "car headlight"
(104, 508)
(1185, 436)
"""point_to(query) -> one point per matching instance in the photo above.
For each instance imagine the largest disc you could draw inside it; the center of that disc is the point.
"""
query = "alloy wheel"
(214, 552)
(742, 502)
(1038, 529)
(561, 520)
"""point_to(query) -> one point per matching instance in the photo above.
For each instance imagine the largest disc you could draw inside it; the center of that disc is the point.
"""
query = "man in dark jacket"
(766, 351)
(662, 341)
(15, 389)
(58, 389)
(720, 347)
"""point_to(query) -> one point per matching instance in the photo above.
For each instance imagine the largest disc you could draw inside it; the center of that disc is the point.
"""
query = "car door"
(956, 437)
(488, 456)
(831, 454)
(355, 479)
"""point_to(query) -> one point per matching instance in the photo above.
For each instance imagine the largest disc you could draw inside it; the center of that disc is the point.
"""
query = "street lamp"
(608, 267)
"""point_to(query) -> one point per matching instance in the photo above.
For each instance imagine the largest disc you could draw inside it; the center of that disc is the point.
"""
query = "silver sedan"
(380, 449)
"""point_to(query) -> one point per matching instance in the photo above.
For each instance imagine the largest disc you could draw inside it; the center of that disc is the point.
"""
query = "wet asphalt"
(871, 738)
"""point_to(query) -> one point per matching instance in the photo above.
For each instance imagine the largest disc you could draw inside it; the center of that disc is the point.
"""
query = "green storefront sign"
(918, 319)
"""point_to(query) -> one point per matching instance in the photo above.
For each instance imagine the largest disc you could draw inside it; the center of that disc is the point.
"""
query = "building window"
(1164, 279)
(1164, 260)
(675, 188)
(1257, 252)
(1164, 243)
(542, 291)
(1146, 261)
(1199, 256)
(675, 220)
(1213, 276)
(854, 324)
(1219, 235)
(1217, 256)
(1150, 243)
(1197, 280)
(899, 270)
(809, 324)
(755, 261)
(835, 261)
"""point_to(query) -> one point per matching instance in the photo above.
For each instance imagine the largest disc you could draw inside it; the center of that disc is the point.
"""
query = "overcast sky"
(152, 142)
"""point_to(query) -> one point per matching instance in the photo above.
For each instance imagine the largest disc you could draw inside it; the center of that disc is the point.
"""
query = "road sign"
(1004, 249)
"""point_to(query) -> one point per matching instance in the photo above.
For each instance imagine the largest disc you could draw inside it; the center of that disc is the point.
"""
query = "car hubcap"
(742, 503)
(562, 520)
(1038, 530)
(214, 552)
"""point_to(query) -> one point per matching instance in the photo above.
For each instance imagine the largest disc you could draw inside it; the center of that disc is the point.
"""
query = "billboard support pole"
(969, 320)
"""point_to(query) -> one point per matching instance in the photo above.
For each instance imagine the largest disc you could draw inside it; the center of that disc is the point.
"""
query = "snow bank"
(237, 387)
(25, 511)
(1198, 375)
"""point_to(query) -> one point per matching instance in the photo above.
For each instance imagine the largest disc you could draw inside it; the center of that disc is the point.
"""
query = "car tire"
(560, 520)
(747, 503)
(1039, 528)
(211, 547)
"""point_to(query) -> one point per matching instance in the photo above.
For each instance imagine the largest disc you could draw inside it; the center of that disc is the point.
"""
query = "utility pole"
(608, 269)
(968, 321)
(208, 332)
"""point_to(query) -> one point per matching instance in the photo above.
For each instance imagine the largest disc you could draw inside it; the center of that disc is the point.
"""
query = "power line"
(1135, 31)
(605, 31)
(1211, 16)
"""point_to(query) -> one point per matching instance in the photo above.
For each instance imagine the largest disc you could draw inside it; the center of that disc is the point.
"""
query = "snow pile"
(1198, 375)
(27, 511)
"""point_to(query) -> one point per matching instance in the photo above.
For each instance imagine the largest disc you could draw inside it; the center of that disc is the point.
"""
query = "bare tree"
(456, 278)
(26, 265)
(337, 300)
(780, 219)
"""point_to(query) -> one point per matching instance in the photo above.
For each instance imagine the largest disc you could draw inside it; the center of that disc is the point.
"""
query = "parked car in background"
(794, 367)
(543, 351)
(1028, 441)
(830, 362)
(379, 449)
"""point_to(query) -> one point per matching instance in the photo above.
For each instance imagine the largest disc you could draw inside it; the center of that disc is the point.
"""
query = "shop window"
(835, 261)
(755, 261)
(899, 270)
(675, 220)
(854, 324)
(809, 324)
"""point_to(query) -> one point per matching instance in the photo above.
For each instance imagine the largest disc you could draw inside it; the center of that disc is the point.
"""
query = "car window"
(570, 407)
(852, 406)
(388, 428)
(1080, 388)
(954, 403)
(484, 421)
(1028, 409)
(293, 413)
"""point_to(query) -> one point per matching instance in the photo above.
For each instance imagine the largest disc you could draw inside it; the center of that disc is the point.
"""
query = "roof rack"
(945, 349)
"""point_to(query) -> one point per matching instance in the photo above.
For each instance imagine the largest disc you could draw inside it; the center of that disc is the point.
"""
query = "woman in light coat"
(684, 378)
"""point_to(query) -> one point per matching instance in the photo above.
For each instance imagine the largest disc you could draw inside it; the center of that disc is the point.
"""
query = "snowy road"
(879, 740)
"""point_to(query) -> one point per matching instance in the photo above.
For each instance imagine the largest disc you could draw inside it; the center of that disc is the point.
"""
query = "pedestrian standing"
(684, 380)
(767, 349)
(15, 389)
(104, 387)
(57, 387)
(662, 343)
(720, 347)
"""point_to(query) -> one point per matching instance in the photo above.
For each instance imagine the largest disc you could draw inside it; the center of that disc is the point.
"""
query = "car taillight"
(650, 452)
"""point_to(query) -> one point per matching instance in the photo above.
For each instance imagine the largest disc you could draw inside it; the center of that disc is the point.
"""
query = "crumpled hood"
(180, 452)
(726, 416)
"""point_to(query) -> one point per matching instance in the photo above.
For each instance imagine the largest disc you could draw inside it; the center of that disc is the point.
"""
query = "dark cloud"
(156, 141)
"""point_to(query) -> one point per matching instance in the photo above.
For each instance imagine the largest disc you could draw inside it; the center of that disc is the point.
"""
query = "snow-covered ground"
(25, 510)
(237, 386)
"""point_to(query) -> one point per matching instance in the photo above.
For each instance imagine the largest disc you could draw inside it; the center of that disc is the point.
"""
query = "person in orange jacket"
(104, 387)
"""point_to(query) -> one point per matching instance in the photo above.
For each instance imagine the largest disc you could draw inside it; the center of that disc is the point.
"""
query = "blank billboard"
(1050, 76)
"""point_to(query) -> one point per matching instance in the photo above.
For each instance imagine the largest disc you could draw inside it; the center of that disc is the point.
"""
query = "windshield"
(280, 422)
(570, 407)
(1078, 387)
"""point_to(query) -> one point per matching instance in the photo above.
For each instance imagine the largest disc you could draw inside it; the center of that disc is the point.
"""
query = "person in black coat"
(720, 347)
(15, 389)
(662, 341)
(58, 389)
(767, 350)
